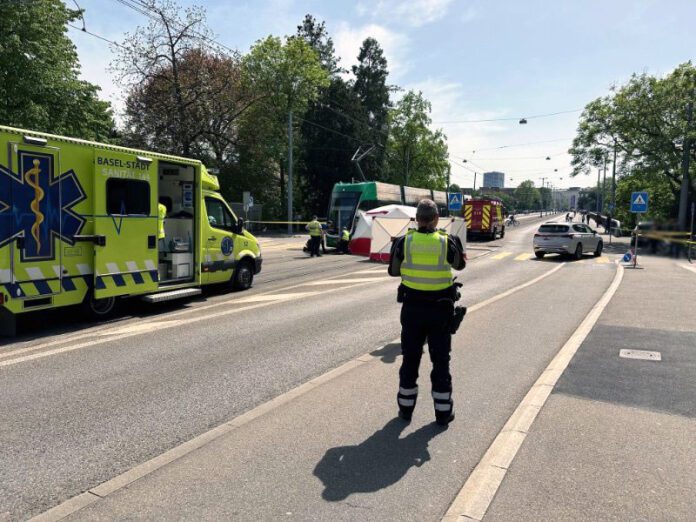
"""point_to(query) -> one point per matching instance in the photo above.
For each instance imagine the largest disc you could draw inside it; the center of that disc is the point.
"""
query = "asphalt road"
(83, 403)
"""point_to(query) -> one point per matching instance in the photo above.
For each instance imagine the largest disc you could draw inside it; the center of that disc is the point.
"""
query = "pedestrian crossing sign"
(454, 201)
(639, 202)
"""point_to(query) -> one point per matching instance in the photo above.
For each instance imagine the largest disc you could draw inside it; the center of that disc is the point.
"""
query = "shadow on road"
(388, 353)
(378, 462)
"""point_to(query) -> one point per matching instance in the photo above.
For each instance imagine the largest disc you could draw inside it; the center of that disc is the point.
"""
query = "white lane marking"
(140, 328)
(84, 269)
(35, 273)
(478, 491)
(272, 297)
(76, 503)
(688, 267)
(514, 289)
(344, 281)
(377, 270)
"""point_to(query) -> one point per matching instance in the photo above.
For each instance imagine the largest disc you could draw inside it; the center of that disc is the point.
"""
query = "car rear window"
(553, 229)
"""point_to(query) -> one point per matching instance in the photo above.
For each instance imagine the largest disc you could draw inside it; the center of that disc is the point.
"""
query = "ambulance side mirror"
(238, 226)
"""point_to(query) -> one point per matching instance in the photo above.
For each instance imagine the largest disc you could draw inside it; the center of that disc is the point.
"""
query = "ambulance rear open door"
(125, 224)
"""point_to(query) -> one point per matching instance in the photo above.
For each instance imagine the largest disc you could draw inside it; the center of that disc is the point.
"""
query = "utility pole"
(474, 183)
(599, 171)
(613, 191)
(541, 197)
(290, 216)
(684, 194)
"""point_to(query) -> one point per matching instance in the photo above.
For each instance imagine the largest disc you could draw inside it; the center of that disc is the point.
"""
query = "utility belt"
(447, 296)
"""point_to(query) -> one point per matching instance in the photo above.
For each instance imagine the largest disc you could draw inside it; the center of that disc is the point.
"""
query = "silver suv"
(567, 238)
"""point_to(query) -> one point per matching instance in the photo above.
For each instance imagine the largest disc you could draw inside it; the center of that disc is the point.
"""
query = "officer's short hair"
(426, 210)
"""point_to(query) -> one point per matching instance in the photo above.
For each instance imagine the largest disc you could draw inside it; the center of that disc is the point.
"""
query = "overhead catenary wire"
(517, 118)
(145, 10)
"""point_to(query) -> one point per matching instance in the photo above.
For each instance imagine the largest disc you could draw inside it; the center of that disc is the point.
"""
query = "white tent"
(362, 232)
(361, 238)
(387, 227)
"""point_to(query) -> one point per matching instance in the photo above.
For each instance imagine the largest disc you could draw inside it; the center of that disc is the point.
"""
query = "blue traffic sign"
(639, 202)
(455, 201)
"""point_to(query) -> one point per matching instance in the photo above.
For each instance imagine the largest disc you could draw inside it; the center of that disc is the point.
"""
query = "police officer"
(423, 259)
(161, 215)
(343, 242)
(315, 233)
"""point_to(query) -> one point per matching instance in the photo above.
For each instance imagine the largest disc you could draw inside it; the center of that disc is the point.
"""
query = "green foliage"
(317, 37)
(39, 74)
(371, 88)
(646, 121)
(288, 73)
(288, 76)
(416, 155)
(527, 196)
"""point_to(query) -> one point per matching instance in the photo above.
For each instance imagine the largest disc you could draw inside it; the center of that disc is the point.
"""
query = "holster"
(457, 318)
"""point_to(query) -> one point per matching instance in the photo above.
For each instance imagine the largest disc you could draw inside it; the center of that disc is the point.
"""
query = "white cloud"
(348, 40)
(414, 13)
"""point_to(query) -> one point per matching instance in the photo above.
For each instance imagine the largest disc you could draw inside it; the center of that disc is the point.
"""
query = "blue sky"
(474, 59)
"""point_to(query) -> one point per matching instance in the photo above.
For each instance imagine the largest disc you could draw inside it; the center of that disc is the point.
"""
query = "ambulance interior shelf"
(176, 192)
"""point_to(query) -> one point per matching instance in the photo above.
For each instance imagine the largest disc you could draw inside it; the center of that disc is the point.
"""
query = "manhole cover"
(643, 355)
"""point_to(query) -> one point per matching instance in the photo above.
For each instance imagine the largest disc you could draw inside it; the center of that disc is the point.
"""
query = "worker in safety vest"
(315, 233)
(343, 242)
(423, 259)
(161, 214)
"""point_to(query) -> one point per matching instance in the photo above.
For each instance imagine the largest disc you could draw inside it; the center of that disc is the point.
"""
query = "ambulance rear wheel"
(243, 276)
(98, 309)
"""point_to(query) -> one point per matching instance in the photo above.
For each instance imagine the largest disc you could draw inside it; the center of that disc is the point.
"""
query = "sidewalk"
(615, 441)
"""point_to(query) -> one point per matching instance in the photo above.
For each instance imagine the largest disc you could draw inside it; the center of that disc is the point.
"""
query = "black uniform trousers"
(314, 245)
(421, 322)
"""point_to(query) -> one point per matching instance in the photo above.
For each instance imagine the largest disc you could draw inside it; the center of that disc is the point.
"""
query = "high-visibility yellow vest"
(161, 214)
(425, 265)
(346, 236)
(314, 228)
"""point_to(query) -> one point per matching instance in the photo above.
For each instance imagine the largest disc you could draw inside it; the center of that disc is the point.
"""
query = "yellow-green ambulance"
(80, 223)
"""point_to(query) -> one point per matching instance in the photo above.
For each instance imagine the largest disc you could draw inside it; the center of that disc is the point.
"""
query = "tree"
(317, 37)
(333, 126)
(646, 122)
(39, 74)
(416, 155)
(527, 196)
(289, 75)
(329, 139)
(165, 65)
(213, 96)
(372, 90)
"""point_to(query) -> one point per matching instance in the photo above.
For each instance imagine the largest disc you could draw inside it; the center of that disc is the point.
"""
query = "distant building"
(493, 179)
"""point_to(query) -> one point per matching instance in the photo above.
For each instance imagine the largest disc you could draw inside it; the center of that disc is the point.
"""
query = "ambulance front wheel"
(243, 276)
(99, 308)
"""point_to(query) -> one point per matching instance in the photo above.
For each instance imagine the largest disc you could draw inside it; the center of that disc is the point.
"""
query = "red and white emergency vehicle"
(485, 217)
